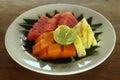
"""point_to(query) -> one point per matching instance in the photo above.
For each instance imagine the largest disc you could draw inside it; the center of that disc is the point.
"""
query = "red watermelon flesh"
(57, 16)
(33, 34)
(38, 28)
(46, 24)
(68, 19)
(52, 23)
(43, 20)
(41, 24)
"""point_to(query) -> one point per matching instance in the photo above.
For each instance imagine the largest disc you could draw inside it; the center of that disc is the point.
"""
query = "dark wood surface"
(10, 70)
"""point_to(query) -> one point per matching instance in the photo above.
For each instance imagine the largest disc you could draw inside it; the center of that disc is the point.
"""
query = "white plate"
(13, 42)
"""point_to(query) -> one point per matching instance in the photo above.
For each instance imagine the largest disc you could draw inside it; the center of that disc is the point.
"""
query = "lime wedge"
(64, 35)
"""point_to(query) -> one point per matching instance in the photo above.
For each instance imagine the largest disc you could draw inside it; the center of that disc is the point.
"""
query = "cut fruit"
(69, 51)
(64, 35)
(86, 34)
(68, 19)
(85, 38)
(79, 47)
(36, 49)
(46, 48)
(54, 51)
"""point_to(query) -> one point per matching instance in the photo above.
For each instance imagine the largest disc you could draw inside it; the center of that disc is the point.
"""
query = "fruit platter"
(60, 37)
(56, 40)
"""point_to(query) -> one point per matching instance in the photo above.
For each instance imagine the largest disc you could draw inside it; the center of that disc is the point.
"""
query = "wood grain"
(10, 70)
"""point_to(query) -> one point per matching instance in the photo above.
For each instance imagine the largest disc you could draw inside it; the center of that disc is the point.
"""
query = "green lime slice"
(64, 35)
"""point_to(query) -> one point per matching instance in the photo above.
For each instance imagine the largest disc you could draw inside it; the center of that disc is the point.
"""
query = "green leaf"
(91, 51)
(59, 61)
(98, 40)
(72, 59)
(93, 28)
(78, 58)
(96, 25)
(26, 26)
(80, 17)
(89, 20)
(56, 12)
(72, 13)
(39, 17)
(30, 21)
(24, 32)
(97, 33)
(48, 15)
(28, 45)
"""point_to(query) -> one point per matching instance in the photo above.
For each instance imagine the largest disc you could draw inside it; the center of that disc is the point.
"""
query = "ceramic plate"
(16, 51)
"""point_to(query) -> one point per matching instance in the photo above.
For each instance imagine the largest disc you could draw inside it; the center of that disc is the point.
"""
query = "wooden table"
(10, 70)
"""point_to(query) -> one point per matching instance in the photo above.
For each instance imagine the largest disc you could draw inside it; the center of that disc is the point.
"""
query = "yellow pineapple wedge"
(79, 47)
(86, 37)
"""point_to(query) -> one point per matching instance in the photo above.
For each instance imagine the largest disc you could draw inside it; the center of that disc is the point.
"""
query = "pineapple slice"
(86, 37)
(79, 47)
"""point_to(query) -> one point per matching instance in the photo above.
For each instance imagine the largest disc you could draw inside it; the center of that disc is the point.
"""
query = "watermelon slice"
(38, 28)
(68, 19)
(46, 24)
(33, 34)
